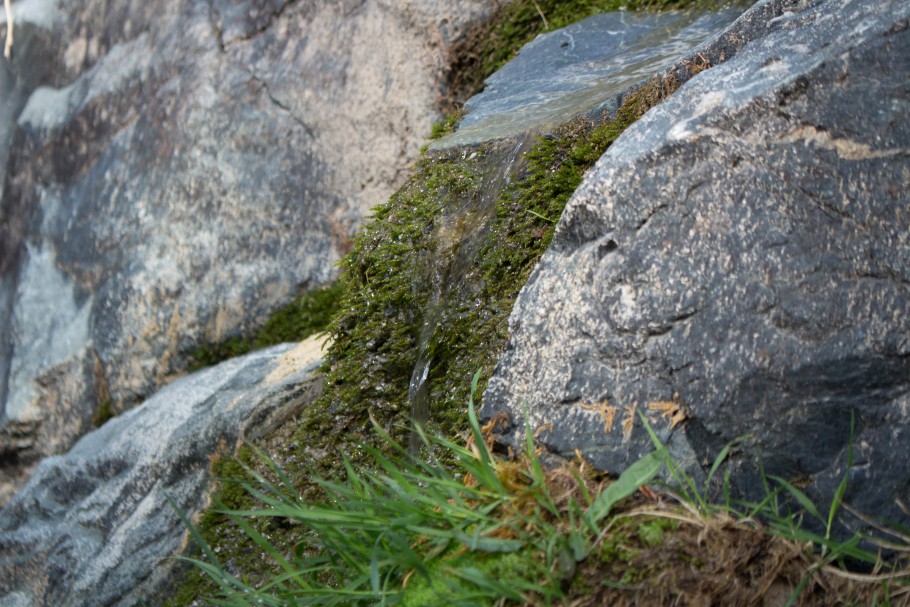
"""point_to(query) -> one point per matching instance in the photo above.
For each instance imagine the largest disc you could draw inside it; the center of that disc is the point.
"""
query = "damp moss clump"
(490, 228)
(447, 255)
(306, 314)
(489, 212)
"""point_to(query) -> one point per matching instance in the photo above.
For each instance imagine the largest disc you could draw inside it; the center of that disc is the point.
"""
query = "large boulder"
(96, 527)
(737, 265)
(176, 170)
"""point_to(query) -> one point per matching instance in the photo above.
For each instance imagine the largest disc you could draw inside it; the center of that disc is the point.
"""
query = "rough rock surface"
(176, 170)
(738, 265)
(91, 528)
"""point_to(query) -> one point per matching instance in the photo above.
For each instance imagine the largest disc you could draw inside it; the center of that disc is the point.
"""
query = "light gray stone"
(94, 527)
(741, 257)
(174, 171)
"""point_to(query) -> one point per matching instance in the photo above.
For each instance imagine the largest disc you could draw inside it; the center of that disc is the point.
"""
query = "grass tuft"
(413, 532)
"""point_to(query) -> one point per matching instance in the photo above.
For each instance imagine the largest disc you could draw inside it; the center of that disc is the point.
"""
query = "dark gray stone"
(741, 254)
(177, 170)
(94, 527)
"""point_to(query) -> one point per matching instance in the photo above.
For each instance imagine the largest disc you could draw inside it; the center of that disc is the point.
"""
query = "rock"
(581, 69)
(738, 265)
(94, 527)
(176, 171)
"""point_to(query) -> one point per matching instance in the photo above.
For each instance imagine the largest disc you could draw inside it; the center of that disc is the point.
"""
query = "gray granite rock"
(175, 170)
(738, 265)
(94, 527)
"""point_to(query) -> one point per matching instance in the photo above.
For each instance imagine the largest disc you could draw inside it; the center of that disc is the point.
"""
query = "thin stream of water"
(459, 237)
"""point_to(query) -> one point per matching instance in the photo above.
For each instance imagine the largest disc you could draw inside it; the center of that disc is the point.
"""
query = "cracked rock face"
(737, 265)
(173, 171)
(94, 528)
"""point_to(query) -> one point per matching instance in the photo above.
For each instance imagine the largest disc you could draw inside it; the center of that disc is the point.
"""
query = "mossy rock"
(495, 229)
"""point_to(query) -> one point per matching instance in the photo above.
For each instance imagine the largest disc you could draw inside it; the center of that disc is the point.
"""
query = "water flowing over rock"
(173, 171)
(94, 527)
(580, 69)
(737, 265)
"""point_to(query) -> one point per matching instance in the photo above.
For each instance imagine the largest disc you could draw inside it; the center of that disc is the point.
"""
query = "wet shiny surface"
(580, 67)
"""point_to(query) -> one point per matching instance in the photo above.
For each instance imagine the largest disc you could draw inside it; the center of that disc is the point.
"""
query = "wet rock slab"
(578, 68)
(94, 527)
(737, 265)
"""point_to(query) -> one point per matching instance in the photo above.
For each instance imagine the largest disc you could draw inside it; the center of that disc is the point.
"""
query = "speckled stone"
(95, 528)
(737, 265)
(580, 68)
(176, 170)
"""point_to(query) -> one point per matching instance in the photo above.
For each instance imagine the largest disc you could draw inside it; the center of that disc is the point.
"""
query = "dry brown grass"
(659, 549)
(717, 560)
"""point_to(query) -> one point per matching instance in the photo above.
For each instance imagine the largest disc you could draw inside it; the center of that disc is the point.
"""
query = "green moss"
(104, 412)
(207, 355)
(393, 286)
(438, 587)
(624, 555)
(446, 125)
(307, 314)
(651, 534)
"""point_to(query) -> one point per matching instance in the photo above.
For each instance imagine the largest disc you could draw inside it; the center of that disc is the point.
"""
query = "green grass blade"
(539, 485)
(228, 583)
(374, 572)
(539, 216)
(269, 549)
(721, 457)
(636, 475)
(194, 532)
(842, 487)
(484, 581)
(799, 496)
(479, 443)
(480, 543)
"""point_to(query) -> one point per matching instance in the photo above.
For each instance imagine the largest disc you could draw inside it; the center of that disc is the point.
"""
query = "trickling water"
(458, 238)
(570, 72)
